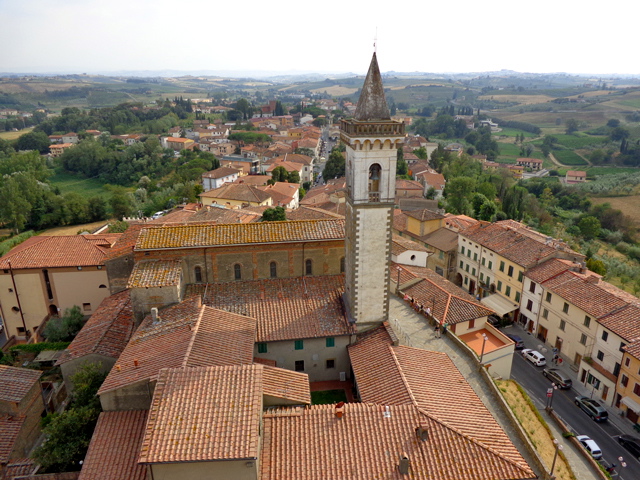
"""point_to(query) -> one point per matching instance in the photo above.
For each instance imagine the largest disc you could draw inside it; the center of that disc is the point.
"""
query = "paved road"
(604, 434)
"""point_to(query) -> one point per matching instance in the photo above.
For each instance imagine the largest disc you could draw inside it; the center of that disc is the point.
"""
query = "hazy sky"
(327, 36)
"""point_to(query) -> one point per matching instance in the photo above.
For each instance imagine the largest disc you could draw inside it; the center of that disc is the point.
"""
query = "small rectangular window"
(490, 265)
(475, 257)
(466, 267)
(587, 321)
(331, 363)
(466, 280)
(583, 339)
(510, 271)
(499, 285)
(565, 308)
(507, 292)
(563, 325)
(331, 342)
(472, 323)
(622, 345)
(636, 389)
(532, 287)
(530, 305)
(624, 380)
(545, 313)
(600, 355)
(520, 276)
(483, 261)
(627, 361)
(461, 264)
(299, 366)
(473, 272)
(517, 297)
(481, 276)
(548, 297)
(605, 336)
(86, 307)
(262, 347)
(462, 250)
(299, 344)
(502, 266)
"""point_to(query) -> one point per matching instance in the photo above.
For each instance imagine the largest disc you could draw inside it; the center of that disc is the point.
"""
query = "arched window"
(197, 272)
(102, 286)
(374, 182)
(342, 265)
(273, 270)
(237, 271)
(308, 267)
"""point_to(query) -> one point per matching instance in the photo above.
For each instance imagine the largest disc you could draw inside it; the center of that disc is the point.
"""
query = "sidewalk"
(416, 332)
(624, 425)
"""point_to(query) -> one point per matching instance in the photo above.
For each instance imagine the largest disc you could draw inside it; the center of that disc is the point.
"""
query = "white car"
(590, 446)
(534, 357)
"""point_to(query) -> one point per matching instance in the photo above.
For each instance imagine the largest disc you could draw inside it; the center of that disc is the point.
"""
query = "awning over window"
(499, 304)
(631, 404)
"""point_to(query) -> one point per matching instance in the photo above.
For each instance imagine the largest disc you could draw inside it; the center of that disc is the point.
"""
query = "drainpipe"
(15, 289)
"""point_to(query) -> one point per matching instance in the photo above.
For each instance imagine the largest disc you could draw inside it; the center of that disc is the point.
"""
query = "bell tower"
(371, 140)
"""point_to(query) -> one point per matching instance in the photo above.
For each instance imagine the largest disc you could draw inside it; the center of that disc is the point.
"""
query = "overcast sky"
(330, 36)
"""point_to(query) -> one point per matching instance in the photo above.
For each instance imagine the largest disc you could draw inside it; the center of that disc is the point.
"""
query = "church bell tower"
(372, 140)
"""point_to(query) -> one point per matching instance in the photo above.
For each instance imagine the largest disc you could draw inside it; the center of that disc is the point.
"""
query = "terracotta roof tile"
(9, 431)
(399, 220)
(237, 191)
(204, 414)
(549, 269)
(431, 382)
(304, 212)
(401, 244)
(115, 445)
(125, 242)
(452, 304)
(624, 322)
(286, 384)
(106, 332)
(286, 308)
(633, 349)
(184, 236)
(155, 273)
(367, 443)
(187, 334)
(587, 296)
(423, 215)
(59, 251)
(20, 468)
(16, 382)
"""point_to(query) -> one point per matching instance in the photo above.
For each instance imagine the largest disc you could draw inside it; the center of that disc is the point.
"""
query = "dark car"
(630, 443)
(561, 379)
(592, 408)
(517, 340)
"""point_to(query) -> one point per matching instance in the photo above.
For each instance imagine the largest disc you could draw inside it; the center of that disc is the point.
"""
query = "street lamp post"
(555, 457)
(484, 342)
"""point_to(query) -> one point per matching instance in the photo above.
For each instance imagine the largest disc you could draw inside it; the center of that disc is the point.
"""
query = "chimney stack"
(403, 466)
(154, 315)
(423, 433)
(339, 409)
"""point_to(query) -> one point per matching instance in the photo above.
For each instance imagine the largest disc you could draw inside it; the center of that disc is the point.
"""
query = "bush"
(13, 241)
(86, 382)
(65, 328)
(39, 347)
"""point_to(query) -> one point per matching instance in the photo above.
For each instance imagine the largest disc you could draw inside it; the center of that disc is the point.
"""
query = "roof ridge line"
(402, 376)
(193, 337)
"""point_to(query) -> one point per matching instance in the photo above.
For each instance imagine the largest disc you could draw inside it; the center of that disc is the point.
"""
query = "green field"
(512, 132)
(68, 182)
(580, 141)
(610, 170)
(568, 157)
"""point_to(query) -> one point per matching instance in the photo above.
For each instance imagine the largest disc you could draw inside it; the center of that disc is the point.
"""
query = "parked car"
(630, 443)
(592, 408)
(561, 379)
(494, 320)
(517, 340)
(590, 446)
(534, 357)
(157, 215)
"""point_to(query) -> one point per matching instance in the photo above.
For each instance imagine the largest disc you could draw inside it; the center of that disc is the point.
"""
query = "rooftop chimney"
(387, 412)
(154, 315)
(403, 466)
(423, 433)
(339, 409)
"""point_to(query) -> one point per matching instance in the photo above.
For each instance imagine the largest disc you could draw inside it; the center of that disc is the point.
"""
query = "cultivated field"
(628, 205)
(335, 90)
(14, 135)
(521, 99)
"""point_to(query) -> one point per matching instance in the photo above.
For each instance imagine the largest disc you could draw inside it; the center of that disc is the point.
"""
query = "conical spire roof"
(372, 104)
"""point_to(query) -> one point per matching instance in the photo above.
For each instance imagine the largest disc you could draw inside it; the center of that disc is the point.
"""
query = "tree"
(120, 203)
(279, 174)
(458, 193)
(86, 382)
(590, 227)
(619, 133)
(275, 214)
(244, 107)
(319, 122)
(421, 153)
(67, 437)
(335, 166)
(598, 266)
(65, 328)
(33, 141)
(613, 123)
(571, 126)
(96, 209)
(293, 177)
(279, 109)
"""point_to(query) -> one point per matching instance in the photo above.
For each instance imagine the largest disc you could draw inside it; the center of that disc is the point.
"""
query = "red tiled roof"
(106, 332)
(19, 469)
(423, 215)
(548, 269)
(430, 381)
(185, 236)
(115, 445)
(59, 251)
(16, 382)
(367, 442)
(155, 273)
(304, 212)
(125, 242)
(204, 414)
(237, 191)
(221, 172)
(400, 245)
(286, 308)
(187, 334)
(286, 384)
(452, 304)
(9, 431)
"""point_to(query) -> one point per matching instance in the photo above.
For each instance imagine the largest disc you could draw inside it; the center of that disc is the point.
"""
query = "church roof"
(372, 104)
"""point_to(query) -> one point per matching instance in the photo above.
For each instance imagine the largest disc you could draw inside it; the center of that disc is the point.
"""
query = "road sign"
(549, 392)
